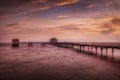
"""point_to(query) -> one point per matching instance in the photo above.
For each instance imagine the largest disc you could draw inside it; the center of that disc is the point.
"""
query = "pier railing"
(94, 44)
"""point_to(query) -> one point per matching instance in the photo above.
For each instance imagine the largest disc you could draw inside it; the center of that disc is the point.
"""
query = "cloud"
(6, 4)
(5, 16)
(56, 2)
(43, 7)
(12, 24)
(116, 21)
(73, 28)
(64, 2)
(46, 4)
(90, 6)
(62, 16)
(107, 28)
(69, 27)
(116, 4)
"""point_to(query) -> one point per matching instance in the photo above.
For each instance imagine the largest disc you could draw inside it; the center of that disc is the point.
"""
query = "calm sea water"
(53, 63)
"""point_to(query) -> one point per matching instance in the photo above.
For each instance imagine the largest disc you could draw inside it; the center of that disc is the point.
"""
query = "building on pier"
(15, 42)
(53, 40)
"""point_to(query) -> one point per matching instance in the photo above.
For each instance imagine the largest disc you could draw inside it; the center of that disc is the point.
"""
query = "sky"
(66, 20)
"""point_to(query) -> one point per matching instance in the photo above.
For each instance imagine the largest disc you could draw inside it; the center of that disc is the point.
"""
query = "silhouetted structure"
(53, 40)
(30, 44)
(81, 46)
(43, 44)
(15, 42)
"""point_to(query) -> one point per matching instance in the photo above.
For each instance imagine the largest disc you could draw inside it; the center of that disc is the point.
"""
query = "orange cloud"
(62, 16)
(116, 21)
(43, 7)
(56, 2)
(90, 6)
(109, 25)
(38, 5)
(65, 2)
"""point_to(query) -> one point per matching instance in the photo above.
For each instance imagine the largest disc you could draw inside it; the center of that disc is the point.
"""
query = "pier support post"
(80, 47)
(112, 52)
(43, 44)
(83, 48)
(30, 44)
(96, 50)
(88, 48)
(72, 46)
(106, 51)
(91, 49)
(66, 46)
(101, 51)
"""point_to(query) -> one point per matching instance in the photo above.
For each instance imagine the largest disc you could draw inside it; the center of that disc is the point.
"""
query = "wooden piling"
(88, 48)
(30, 44)
(80, 47)
(73, 46)
(96, 50)
(83, 48)
(101, 51)
(113, 52)
(106, 51)
(43, 44)
(91, 49)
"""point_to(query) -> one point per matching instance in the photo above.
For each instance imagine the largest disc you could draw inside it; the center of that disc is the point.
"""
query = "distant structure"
(30, 44)
(15, 42)
(53, 40)
(43, 44)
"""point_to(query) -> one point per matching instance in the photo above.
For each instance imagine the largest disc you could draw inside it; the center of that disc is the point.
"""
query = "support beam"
(96, 50)
(88, 48)
(80, 47)
(113, 52)
(91, 49)
(83, 48)
(72, 46)
(106, 51)
(77, 46)
(101, 51)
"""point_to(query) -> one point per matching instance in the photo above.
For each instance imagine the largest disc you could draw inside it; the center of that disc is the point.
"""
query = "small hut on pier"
(15, 42)
(53, 40)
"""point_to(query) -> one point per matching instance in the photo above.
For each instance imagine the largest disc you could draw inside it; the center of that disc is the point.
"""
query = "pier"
(103, 46)
(85, 47)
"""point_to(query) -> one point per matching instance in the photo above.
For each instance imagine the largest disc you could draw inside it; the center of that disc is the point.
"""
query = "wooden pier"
(103, 46)
(89, 47)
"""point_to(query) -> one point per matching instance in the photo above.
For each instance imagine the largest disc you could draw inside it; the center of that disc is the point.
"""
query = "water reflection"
(52, 63)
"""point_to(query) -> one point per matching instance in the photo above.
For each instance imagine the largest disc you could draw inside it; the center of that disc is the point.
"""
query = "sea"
(56, 63)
